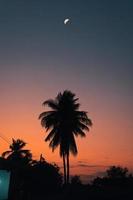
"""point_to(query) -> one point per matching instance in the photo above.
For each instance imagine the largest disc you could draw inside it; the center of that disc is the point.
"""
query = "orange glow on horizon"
(106, 144)
(99, 148)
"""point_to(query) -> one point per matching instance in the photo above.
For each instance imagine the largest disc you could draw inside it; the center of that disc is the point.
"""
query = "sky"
(92, 56)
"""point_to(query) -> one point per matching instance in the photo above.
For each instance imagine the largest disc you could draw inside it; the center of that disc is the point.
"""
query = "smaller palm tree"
(16, 152)
(19, 161)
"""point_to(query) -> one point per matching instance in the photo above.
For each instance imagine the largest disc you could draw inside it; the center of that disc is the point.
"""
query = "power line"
(4, 138)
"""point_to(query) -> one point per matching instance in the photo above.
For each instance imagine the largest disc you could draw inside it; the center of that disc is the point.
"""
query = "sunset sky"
(92, 56)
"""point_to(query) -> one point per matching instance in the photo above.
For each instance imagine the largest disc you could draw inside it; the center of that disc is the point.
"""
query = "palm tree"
(19, 160)
(17, 153)
(64, 121)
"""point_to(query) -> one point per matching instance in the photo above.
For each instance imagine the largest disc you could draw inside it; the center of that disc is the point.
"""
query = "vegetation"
(75, 180)
(38, 179)
(117, 172)
(64, 121)
(29, 177)
(17, 153)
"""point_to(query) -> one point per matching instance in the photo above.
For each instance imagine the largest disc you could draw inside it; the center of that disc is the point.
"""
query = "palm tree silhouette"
(17, 152)
(19, 160)
(64, 121)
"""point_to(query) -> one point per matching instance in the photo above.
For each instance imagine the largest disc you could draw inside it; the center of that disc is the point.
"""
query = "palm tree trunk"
(68, 168)
(64, 166)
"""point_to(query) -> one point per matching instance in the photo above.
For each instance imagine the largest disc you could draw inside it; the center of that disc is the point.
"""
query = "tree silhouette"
(75, 180)
(117, 172)
(18, 159)
(64, 121)
(17, 152)
(44, 176)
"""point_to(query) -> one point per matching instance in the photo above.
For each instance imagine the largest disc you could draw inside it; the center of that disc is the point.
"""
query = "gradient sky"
(92, 56)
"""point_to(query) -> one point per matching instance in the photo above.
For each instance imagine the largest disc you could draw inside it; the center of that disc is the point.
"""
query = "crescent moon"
(66, 21)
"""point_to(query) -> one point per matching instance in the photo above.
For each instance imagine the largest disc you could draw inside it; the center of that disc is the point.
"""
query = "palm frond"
(73, 146)
(51, 134)
(51, 103)
(50, 120)
(78, 131)
(55, 141)
(45, 114)
(76, 106)
(48, 123)
(17, 144)
(82, 116)
(83, 126)
(6, 153)
(25, 151)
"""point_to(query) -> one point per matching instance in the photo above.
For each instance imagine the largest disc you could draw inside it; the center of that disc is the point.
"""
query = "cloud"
(81, 161)
(91, 166)
(85, 164)
(82, 164)
(88, 166)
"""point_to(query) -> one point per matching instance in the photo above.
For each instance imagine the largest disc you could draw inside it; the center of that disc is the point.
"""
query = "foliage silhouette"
(41, 178)
(37, 178)
(75, 180)
(18, 159)
(116, 176)
(4, 164)
(64, 121)
(17, 153)
(117, 172)
(116, 184)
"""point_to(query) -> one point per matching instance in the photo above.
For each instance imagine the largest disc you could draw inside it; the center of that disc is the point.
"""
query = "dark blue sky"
(97, 46)
(98, 40)
(92, 56)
